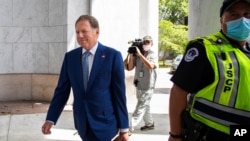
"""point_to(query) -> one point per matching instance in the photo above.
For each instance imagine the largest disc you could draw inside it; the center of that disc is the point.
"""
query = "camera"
(136, 43)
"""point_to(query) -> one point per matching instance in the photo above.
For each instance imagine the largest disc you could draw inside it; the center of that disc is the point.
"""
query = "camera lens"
(132, 49)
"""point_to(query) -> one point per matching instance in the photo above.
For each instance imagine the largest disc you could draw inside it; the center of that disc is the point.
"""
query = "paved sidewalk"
(22, 121)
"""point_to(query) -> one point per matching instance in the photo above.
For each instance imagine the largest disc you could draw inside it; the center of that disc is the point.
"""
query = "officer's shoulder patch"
(191, 54)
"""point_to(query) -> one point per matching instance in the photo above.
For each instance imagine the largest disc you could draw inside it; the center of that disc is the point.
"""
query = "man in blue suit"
(99, 108)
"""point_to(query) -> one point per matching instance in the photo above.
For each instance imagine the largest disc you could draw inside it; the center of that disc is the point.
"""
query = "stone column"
(149, 17)
(149, 20)
(204, 17)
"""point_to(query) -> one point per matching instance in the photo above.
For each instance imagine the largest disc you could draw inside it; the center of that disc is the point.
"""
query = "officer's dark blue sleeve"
(195, 71)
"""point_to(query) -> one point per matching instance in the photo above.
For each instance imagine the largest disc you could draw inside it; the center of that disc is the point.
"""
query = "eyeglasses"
(146, 42)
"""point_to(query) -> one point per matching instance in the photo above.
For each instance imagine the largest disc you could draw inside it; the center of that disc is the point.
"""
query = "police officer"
(145, 66)
(212, 80)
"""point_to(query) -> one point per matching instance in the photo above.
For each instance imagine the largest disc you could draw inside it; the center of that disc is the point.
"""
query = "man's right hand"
(46, 127)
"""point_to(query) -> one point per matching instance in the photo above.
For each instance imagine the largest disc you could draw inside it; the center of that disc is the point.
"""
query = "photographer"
(143, 59)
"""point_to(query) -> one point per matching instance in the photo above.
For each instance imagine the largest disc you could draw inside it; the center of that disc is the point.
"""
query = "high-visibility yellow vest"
(226, 101)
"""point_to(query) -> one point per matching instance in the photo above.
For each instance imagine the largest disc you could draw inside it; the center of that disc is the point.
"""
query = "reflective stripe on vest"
(216, 112)
(221, 114)
(228, 82)
(226, 101)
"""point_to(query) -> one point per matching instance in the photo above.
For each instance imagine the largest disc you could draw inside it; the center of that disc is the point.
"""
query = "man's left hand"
(123, 136)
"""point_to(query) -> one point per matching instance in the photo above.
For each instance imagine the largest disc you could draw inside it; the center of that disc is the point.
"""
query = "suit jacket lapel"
(79, 68)
(98, 60)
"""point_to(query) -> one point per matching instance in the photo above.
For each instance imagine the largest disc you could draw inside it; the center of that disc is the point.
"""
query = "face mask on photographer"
(239, 29)
(146, 47)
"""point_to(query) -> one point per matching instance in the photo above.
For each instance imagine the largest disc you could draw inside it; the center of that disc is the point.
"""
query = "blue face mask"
(239, 29)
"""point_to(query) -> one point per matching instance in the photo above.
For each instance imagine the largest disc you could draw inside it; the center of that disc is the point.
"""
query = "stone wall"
(37, 87)
(35, 35)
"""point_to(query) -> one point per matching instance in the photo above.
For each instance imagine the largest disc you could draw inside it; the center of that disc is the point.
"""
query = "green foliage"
(172, 31)
(173, 10)
(172, 37)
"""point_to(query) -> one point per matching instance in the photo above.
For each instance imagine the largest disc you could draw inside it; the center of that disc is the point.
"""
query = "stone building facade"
(35, 34)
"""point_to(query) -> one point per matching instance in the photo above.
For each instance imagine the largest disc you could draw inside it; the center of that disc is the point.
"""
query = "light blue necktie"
(85, 68)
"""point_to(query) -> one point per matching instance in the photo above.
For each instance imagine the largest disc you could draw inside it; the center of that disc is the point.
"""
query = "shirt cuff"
(124, 130)
(53, 123)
